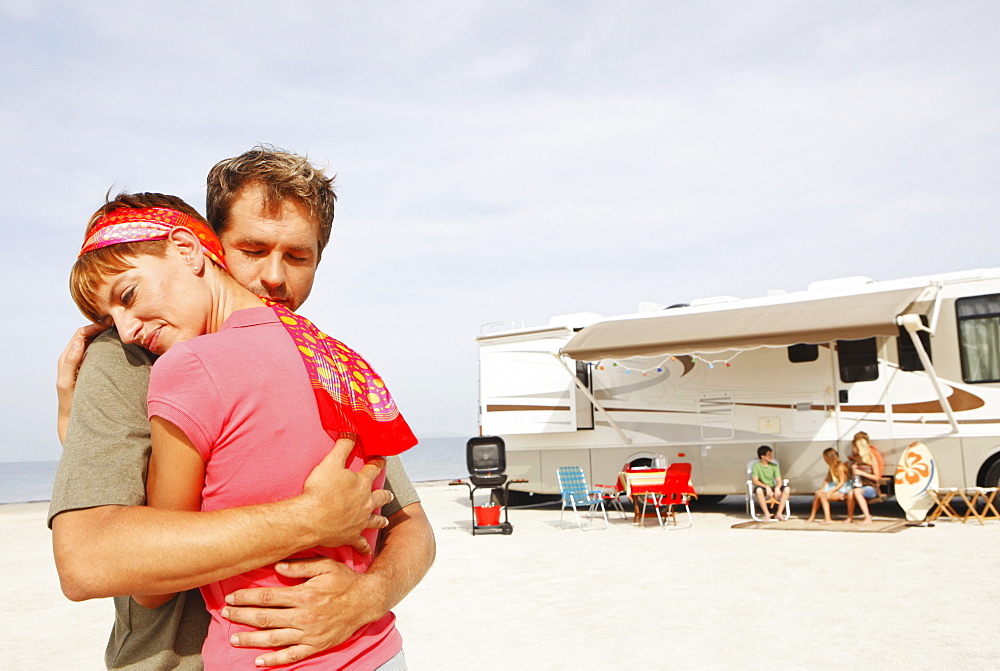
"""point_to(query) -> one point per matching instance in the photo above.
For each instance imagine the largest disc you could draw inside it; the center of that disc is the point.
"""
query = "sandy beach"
(548, 597)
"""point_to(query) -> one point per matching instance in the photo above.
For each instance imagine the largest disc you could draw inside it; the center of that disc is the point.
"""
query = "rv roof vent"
(771, 293)
(647, 306)
(713, 300)
(841, 283)
(575, 320)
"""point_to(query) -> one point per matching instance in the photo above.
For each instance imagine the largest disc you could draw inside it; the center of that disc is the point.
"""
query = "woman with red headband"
(241, 415)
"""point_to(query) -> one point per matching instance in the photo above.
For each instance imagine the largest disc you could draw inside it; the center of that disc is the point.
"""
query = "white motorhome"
(707, 383)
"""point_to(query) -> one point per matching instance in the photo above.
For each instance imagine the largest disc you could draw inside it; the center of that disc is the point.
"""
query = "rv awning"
(772, 322)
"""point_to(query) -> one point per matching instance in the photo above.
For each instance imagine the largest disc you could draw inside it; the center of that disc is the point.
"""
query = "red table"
(641, 483)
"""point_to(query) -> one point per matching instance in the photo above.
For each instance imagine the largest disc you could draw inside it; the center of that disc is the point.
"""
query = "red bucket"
(487, 516)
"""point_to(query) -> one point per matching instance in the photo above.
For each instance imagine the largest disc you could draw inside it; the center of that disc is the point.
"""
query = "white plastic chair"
(752, 500)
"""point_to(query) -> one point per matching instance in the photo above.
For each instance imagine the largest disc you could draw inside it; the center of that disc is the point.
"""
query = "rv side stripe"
(523, 408)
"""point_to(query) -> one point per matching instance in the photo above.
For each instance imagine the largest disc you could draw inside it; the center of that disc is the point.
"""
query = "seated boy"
(767, 484)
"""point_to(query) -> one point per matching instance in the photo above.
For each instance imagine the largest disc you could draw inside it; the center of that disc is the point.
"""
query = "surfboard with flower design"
(916, 474)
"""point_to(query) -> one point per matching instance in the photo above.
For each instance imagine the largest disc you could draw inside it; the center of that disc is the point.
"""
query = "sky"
(503, 161)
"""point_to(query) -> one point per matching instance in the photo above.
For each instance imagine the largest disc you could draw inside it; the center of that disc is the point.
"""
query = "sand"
(553, 597)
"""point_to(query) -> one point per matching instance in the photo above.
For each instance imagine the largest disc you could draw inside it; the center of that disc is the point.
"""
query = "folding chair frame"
(942, 504)
(585, 497)
(685, 501)
(752, 500)
(971, 497)
(613, 494)
(989, 495)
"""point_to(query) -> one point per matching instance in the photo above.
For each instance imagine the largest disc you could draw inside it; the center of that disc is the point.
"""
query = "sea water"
(441, 458)
(24, 481)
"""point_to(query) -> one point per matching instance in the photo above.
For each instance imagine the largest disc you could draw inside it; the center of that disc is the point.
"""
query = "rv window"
(803, 353)
(858, 360)
(979, 337)
(584, 408)
(908, 357)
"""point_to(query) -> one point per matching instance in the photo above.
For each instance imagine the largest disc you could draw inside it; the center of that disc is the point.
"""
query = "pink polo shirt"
(243, 398)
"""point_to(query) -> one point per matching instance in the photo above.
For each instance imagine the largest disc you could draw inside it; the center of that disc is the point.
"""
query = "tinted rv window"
(858, 360)
(802, 353)
(979, 337)
(584, 408)
(908, 357)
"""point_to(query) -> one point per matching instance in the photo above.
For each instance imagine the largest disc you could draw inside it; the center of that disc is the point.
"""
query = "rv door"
(524, 389)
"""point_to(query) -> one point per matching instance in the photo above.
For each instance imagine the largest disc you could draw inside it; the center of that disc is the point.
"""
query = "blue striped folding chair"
(574, 491)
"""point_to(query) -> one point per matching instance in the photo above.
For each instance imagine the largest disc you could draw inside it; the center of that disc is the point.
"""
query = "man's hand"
(334, 602)
(303, 619)
(338, 504)
(69, 367)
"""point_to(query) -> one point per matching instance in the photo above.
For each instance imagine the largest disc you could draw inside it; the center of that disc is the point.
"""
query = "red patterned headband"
(152, 223)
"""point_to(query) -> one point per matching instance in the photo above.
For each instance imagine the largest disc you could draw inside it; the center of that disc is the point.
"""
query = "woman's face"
(160, 302)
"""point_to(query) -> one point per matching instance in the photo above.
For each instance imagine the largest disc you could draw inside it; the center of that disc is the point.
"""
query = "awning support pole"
(834, 357)
(582, 387)
(913, 325)
(936, 312)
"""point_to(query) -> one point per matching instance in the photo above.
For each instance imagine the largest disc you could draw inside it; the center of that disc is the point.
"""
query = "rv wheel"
(992, 478)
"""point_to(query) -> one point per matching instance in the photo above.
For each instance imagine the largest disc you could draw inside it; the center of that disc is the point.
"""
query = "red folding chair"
(677, 491)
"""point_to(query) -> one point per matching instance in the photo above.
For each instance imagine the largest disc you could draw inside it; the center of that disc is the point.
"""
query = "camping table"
(639, 484)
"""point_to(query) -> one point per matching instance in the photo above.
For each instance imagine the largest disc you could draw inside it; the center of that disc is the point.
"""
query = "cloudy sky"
(503, 160)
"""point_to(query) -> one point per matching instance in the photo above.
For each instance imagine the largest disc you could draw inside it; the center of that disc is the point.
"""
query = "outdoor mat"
(876, 527)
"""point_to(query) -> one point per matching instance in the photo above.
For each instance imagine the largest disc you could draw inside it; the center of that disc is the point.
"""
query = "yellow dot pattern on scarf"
(337, 369)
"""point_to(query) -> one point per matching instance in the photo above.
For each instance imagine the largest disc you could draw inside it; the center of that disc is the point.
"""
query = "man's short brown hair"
(281, 175)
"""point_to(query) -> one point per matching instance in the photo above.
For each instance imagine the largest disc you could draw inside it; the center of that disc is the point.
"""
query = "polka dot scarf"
(350, 395)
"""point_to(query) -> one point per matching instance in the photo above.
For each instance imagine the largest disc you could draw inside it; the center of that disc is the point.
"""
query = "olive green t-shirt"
(104, 463)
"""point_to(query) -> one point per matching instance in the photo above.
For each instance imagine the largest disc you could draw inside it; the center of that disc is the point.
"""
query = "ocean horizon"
(436, 458)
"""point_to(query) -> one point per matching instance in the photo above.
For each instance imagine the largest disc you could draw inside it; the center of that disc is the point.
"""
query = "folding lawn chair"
(677, 491)
(573, 487)
(613, 494)
(752, 500)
